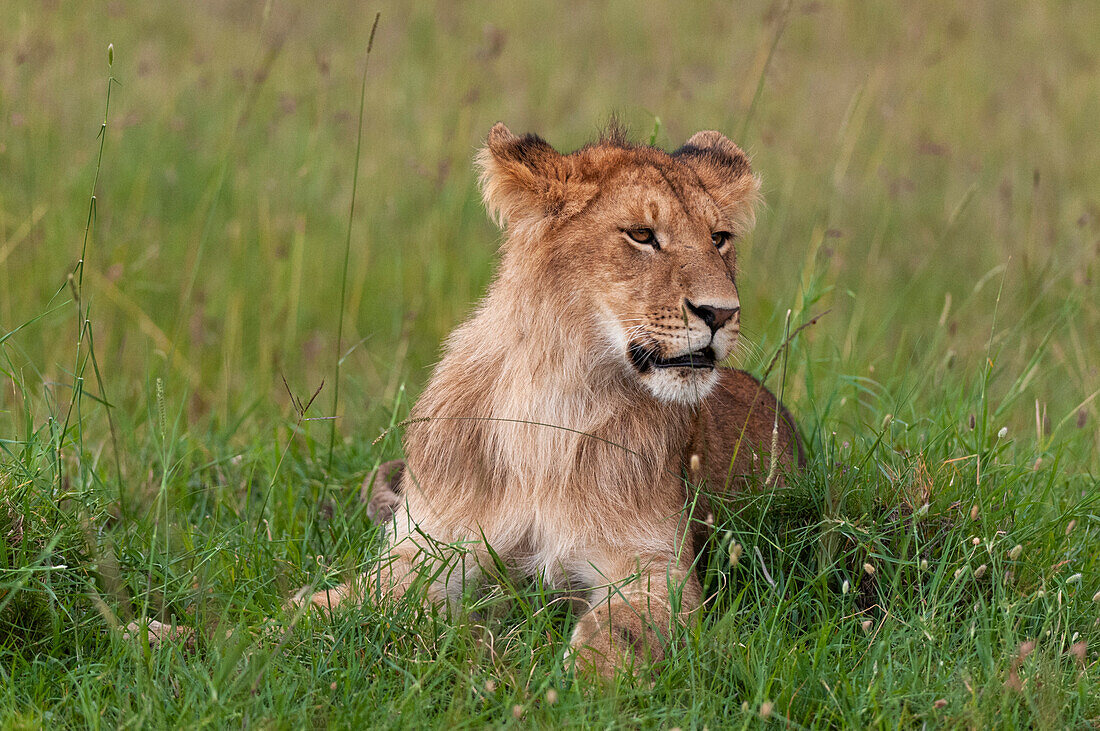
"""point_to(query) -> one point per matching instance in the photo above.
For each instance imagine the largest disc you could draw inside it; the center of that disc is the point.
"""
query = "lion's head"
(641, 240)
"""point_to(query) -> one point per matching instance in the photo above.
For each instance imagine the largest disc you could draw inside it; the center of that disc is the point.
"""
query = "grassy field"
(931, 174)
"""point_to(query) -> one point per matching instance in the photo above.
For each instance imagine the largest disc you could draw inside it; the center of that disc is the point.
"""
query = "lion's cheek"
(724, 343)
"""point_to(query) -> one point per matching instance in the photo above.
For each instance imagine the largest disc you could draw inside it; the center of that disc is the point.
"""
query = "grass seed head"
(1069, 528)
(551, 696)
(736, 549)
(980, 571)
(1003, 432)
(1096, 597)
(1075, 579)
(1015, 552)
(845, 587)
(869, 569)
(766, 709)
(974, 515)
(517, 711)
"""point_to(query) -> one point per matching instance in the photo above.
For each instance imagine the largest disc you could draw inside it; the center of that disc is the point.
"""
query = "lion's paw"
(612, 637)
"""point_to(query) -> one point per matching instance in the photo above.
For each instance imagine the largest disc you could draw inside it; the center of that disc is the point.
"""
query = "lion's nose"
(714, 317)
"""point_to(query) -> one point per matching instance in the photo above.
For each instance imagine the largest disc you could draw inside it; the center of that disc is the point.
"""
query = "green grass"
(930, 179)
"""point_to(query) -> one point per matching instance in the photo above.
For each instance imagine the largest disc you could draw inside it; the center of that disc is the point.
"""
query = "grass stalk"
(84, 325)
(347, 248)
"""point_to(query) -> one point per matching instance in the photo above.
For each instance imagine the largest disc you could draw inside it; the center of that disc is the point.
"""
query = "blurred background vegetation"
(930, 173)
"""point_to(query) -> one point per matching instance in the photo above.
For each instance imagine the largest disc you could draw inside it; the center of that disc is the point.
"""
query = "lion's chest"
(566, 494)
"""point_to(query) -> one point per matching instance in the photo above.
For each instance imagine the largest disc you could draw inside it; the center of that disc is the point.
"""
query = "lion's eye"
(721, 238)
(643, 236)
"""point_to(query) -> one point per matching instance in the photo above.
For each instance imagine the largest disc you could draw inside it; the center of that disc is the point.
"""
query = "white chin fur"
(685, 386)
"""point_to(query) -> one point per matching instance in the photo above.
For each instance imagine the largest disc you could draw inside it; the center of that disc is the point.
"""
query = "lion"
(580, 420)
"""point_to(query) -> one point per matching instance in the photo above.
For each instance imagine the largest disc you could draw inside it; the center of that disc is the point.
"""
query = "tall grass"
(933, 194)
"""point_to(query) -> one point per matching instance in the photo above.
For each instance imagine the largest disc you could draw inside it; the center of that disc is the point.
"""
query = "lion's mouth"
(697, 359)
(645, 358)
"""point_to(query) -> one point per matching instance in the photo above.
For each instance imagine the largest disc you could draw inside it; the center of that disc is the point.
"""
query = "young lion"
(574, 416)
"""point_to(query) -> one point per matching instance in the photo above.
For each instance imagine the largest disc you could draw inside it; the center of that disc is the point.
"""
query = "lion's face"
(663, 274)
(642, 240)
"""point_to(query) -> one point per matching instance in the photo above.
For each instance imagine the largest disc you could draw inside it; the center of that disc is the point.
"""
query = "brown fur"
(549, 432)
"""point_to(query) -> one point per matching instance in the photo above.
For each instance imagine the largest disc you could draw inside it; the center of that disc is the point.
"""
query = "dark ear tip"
(710, 139)
(717, 149)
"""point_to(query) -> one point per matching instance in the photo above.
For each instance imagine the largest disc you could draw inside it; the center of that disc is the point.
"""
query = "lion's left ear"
(725, 172)
(525, 180)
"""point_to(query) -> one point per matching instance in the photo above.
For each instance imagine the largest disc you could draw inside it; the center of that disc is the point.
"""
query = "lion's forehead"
(654, 197)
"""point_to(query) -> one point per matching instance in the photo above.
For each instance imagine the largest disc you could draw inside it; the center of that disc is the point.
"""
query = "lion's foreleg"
(631, 619)
(415, 565)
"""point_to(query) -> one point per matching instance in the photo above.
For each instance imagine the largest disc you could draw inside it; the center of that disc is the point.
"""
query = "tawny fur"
(548, 432)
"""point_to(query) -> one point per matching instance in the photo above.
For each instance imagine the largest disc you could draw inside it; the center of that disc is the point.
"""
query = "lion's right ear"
(724, 170)
(525, 180)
